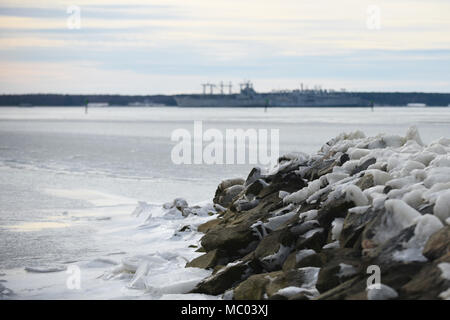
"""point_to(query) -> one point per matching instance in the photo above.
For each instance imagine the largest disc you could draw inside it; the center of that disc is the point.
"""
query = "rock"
(254, 288)
(211, 224)
(229, 195)
(185, 229)
(233, 240)
(333, 274)
(314, 239)
(429, 283)
(332, 209)
(438, 244)
(244, 205)
(366, 182)
(364, 165)
(255, 188)
(301, 278)
(319, 168)
(339, 265)
(280, 245)
(303, 227)
(273, 250)
(208, 260)
(223, 197)
(345, 290)
(354, 225)
(254, 175)
(302, 259)
(269, 284)
(223, 279)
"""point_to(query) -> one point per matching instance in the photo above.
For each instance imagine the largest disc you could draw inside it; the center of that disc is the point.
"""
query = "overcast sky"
(172, 46)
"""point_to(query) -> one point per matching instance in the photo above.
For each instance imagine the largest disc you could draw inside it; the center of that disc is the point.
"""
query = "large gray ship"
(248, 97)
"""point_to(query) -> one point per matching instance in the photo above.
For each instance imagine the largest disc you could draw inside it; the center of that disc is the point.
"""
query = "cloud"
(284, 39)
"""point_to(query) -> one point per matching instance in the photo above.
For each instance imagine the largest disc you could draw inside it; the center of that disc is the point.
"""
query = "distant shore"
(63, 100)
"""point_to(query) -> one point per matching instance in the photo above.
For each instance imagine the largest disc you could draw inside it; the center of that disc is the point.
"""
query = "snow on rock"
(336, 228)
(445, 270)
(303, 254)
(346, 270)
(308, 287)
(353, 193)
(402, 214)
(426, 225)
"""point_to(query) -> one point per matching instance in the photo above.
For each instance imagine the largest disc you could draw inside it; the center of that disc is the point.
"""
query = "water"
(60, 168)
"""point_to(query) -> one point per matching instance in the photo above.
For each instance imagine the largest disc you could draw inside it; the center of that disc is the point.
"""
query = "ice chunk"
(445, 270)
(346, 270)
(100, 263)
(336, 228)
(303, 254)
(414, 198)
(175, 281)
(283, 194)
(334, 177)
(138, 281)
(292, 291)
(425, 227)
(393, 141)
(354, 194)
(309, 215)
(381, 292)
(445, 295)
(332, 245)
(357, 153)
(275, 222)
(442, 206)
(402, 214)
(379, 177)
(45, 269)
(413, 134)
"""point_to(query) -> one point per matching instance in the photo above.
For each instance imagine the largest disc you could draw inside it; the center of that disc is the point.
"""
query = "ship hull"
(269, 100)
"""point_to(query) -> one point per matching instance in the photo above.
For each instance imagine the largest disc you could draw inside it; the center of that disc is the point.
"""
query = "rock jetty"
(364, 218)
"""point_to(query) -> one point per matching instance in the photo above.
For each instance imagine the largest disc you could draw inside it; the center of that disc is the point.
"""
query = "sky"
(173, 46)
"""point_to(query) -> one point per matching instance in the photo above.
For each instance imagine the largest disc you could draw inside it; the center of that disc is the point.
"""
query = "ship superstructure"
(248, 97)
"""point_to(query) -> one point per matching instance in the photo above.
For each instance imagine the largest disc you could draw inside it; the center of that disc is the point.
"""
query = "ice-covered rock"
(382, 200)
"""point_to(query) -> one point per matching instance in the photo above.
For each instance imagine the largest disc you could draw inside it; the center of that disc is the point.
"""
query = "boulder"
(302, 259)
(429, 283)
(207, 226)
(225, 193)
(367, 181)
(254, 288)
(438, 244)
(302, 278)
(314, 239)
(364, 165)
(233, 240)
(353, 227)
(273, 249)
(223, 279)
(208, 260)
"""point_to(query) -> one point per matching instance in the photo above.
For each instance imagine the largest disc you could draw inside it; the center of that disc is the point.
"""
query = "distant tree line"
(403, 98)
(379, 98)
(54, 100)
